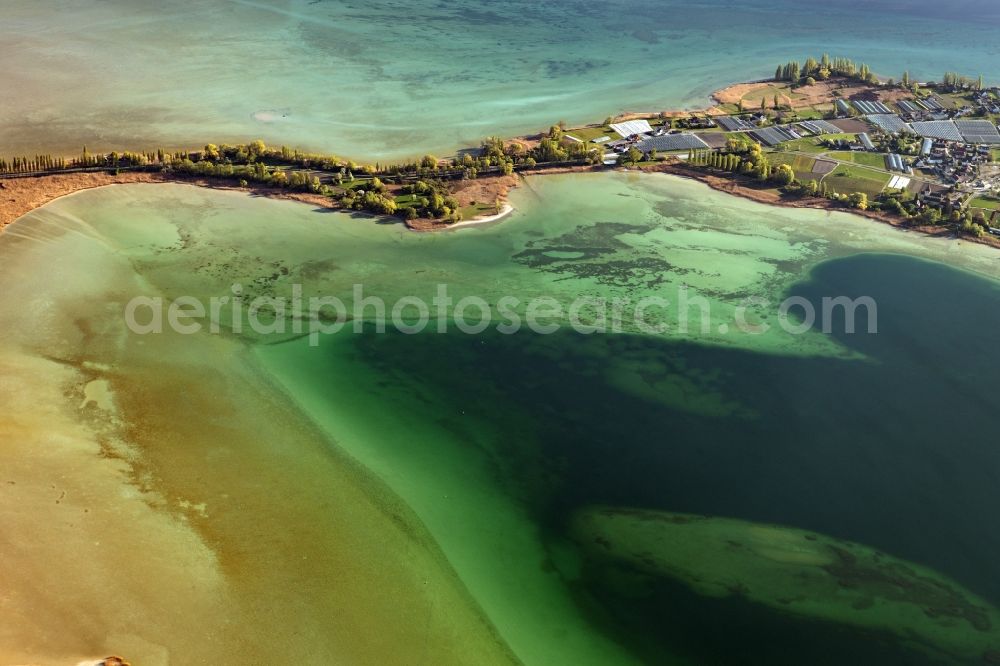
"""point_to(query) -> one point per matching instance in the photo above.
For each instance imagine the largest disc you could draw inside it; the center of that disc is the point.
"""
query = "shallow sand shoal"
(181, 510)
(22, 195)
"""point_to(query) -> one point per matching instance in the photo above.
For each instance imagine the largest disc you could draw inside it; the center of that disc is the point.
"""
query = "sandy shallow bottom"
(162, 501)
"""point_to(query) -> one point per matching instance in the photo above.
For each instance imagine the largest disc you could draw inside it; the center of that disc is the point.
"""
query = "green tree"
(630, 157)
(783, 175)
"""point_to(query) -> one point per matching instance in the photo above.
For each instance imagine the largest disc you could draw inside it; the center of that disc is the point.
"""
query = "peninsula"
(824, 133)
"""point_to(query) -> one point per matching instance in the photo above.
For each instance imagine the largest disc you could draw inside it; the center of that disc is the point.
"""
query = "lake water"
(380, 496)
(382, 79)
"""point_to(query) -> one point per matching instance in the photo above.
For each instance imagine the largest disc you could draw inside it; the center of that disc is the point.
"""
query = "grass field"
(591, 133)
(810, 113)
(797, 162)
(804, 145)
(802, 165)
(477, 209)
(988, 203)
(876, 160)
(847, 180)
(955, 100)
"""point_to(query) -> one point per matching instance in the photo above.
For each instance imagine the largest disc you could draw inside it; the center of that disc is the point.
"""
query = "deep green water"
(386, 79)
(496, 441)
(897, 450)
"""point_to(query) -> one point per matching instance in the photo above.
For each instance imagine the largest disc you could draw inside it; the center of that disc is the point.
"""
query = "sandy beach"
(506, 210)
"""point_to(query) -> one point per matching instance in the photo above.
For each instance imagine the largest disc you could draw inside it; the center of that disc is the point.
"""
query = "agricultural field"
(847, 179)
(802, 165)
(954, 100)
(876, 160)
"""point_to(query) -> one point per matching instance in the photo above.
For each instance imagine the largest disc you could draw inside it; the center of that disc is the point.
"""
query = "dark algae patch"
(795, 572)
(863, 487)
(596, 251)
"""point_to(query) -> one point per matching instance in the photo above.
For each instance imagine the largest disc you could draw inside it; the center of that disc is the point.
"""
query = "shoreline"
(58, 186)
(504, 212)
(31, 193)
(737, 188)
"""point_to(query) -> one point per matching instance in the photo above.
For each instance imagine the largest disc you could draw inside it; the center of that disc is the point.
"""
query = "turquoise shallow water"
(386, 79)
(495, 441)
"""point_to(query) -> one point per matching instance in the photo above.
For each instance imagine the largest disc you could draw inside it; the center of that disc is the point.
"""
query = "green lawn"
(591, 133)
(809, 113)
(846, 179)
(989, 203)
(811, 144)
(996, 154)
(359, 181)
(847, 136)
(477, 209)
(804, 145)
(876, 160)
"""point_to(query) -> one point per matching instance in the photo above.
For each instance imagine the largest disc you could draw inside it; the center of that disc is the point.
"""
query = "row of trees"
(255, 162)
(956, 81)
(28, 164)
(746, 157)
(950, 81)
(496, 155)
(112, 160)
(257, 172)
